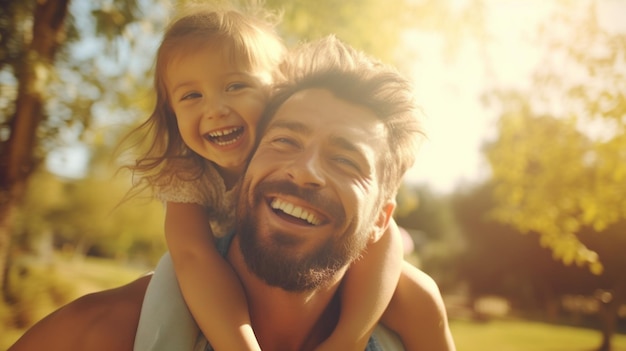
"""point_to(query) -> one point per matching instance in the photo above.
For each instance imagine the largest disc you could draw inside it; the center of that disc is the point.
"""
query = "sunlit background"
(515, 205)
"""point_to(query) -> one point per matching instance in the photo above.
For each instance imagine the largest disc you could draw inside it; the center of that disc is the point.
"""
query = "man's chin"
(272, 259)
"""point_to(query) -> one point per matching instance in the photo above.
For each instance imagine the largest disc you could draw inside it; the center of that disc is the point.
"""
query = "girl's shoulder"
(188, 183)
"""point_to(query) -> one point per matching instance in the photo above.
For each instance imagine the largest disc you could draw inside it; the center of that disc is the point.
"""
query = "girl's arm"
(417, 313)
(368, 287)
(210, 288)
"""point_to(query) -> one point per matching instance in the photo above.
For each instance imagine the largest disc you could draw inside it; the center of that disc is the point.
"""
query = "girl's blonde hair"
(246, 35)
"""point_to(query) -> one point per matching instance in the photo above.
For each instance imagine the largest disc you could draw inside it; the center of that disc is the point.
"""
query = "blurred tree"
(532, 192)
(560, 158)
(28, 52)
(125, 229)
(611, 287)
(87, 223)
(559, 162)
(46, 87)
(85, 216)
(380, 27)
(349, 20)
(498, 260)
(407, 201)
(434, 230)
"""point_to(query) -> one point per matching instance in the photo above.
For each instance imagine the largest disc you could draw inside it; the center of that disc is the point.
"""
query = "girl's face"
(217, 106)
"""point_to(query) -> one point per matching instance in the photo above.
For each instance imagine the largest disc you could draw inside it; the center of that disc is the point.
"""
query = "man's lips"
(305, 206)
(295, 211)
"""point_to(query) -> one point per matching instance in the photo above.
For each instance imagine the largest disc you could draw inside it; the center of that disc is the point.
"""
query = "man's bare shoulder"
(104, 320)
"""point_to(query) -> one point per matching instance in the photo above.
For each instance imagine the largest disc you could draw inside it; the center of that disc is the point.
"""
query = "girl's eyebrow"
(181, 85)
(226, 75)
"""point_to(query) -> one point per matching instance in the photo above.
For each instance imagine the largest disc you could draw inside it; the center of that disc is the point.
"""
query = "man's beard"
(275, 262)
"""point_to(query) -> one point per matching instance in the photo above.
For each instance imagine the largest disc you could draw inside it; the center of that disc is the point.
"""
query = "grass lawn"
(82, 277)
(526, 336)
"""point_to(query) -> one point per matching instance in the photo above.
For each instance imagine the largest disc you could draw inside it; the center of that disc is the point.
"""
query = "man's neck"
(285, 320)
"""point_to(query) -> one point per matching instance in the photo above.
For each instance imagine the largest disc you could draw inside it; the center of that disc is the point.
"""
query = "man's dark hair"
(359, 79)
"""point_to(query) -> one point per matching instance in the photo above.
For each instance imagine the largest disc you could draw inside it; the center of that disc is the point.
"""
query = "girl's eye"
(192, 95)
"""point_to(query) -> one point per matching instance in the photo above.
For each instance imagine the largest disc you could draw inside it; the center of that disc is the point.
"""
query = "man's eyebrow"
(301, 128)
(345, 144)
(293, 126)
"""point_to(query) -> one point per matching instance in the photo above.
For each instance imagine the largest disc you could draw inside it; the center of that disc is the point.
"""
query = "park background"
(515, 206)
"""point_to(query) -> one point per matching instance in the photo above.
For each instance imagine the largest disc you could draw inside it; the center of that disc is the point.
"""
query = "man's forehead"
(318, 116)
(317, 107)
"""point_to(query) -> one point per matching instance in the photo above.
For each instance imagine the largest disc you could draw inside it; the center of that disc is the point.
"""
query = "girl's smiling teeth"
(225, 136)
(295, 211)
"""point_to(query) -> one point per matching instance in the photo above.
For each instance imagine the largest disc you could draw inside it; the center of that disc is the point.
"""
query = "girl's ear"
(382, 222)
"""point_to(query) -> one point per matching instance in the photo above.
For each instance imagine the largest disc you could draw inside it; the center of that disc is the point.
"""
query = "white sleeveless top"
(208, 190)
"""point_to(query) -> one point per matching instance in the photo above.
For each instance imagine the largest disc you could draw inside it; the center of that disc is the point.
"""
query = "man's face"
(309, 200)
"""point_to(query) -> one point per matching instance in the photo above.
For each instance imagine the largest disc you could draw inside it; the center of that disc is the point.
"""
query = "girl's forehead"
(225, 54)
(244, 53)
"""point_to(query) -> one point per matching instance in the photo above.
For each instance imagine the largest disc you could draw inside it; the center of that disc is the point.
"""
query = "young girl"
(213, 70)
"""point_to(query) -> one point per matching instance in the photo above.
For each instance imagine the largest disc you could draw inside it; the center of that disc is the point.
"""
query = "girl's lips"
(224, 136)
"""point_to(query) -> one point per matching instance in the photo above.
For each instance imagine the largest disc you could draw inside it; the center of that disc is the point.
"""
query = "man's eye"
(236, 86)
(347, 162)
(284, 141)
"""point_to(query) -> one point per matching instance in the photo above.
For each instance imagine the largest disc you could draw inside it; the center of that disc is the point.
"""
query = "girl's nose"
(216, 108)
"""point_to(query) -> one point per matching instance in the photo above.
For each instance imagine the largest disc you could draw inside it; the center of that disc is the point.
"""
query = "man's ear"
(382, 222)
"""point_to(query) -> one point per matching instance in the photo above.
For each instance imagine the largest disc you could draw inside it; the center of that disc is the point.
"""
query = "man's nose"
(306, 169)
(216, 107)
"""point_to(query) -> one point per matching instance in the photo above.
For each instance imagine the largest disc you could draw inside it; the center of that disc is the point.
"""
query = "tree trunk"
(608, 316)
(16, 156)
(8, 209)
(608, 313)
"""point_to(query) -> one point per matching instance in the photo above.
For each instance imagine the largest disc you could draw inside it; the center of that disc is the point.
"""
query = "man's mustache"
(311, 196)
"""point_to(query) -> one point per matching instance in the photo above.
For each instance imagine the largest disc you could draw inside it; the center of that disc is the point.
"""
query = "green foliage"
(559, 160)
(407, 200)
(429, 218)
(380, 27)
(86, 216)
(426, 211)
(497, 260)
(532, 193)
(78, 80)
(371, 25)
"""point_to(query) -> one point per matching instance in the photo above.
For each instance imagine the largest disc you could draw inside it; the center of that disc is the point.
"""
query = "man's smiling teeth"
(295, 211)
